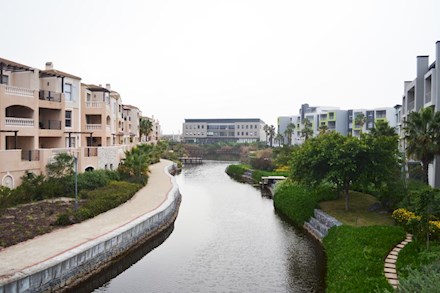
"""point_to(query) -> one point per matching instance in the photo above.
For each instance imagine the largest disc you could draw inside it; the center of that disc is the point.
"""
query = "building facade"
(422, 92)
(46, 112)
(223, 130)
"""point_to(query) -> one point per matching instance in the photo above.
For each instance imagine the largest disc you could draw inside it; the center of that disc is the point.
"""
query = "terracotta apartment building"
(45, 112)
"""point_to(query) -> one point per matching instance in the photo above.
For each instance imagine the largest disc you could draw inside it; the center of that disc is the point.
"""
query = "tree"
(360, 120)
(307, 130)
(266, 131)
(136, 163)
(145, 127)
(323, 129)
(279, 138)
(271, 134)
(422, 135)
(382, 128)
(344, 161)
(61, 166)
(289, 132)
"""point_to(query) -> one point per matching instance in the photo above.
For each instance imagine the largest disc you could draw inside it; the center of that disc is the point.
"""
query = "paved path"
(34, 251)
(390, 262)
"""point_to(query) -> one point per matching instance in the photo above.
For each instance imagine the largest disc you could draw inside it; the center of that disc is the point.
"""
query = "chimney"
(107, 86)
(49, 66)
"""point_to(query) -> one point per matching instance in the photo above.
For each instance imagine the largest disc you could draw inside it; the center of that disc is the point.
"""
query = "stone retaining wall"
(65, 269)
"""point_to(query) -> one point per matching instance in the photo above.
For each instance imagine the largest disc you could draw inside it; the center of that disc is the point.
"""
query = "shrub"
(236, 171)
(63, 220)
(355, 257)
(105, 198)
(426, 279)
(412, 222)
(5, 197)
(294, 201)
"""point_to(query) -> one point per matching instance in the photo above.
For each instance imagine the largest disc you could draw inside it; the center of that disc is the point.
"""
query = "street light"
(75, 162)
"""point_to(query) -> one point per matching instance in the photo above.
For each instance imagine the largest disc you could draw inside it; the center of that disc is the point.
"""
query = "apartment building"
(335, 119)
(283, 122)
(155, 134)
(422, 92)
(368, 119)
(45, 112)
(223, 130)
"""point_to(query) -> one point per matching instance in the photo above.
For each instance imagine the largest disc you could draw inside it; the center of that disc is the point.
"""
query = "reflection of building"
(223, 130)
(45, 112)
(422, 92)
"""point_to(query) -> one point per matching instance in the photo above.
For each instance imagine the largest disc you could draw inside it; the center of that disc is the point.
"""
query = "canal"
(227, 238)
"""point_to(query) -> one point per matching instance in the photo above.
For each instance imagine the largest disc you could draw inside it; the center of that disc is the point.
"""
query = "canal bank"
(59, 259)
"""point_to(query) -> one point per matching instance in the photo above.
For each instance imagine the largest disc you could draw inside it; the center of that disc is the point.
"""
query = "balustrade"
(24, 122)
(19, 91)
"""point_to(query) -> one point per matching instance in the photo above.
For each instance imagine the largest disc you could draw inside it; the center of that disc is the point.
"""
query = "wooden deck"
(191, 160)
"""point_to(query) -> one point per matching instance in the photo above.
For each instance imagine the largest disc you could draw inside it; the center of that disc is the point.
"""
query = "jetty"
(191, 160)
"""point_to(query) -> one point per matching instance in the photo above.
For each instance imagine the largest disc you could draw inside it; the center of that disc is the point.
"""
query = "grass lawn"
(358, 215)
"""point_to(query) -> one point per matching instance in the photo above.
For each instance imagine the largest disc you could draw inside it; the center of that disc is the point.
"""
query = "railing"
(50, 124)
(91, 152)
(49, 96)
(30, 155)
(93, 104)
(25, 122)
(19, 91)
(93, 126)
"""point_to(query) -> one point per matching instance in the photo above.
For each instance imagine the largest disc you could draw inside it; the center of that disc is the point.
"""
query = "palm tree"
(266, 130)
(271, 134)
(323, 129)
(289, 132)
(279, 138)
(145, 127)
(360, 120)
(422, 135)
(307, 130)
(382, 128)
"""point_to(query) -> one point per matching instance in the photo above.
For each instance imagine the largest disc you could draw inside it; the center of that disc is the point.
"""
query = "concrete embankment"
(60, 259)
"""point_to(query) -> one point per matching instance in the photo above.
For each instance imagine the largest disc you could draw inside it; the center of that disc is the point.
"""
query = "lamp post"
(75, 162)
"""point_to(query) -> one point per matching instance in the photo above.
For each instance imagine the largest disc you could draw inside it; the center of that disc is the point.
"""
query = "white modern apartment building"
(223, 130)
(422, 92)
(282, 123)
(335, 119)
(370, 117)
(45, 112)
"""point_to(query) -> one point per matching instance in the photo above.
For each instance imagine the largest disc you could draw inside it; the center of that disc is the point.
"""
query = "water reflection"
(227, 238)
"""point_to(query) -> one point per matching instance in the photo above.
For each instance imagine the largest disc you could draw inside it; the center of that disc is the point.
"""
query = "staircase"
(319, 224)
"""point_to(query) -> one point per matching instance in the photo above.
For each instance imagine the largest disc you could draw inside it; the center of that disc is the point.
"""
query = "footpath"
(30, 253)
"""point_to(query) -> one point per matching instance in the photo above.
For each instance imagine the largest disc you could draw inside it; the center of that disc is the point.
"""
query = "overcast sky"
(228, 59)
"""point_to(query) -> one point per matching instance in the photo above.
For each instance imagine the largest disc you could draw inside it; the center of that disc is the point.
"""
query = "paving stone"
(389, 270)
(390, 256)
(393, 282)
(400, 246)
(405, 242)
(390, 265)
(393, 252)
(391, 275)
(390, 260)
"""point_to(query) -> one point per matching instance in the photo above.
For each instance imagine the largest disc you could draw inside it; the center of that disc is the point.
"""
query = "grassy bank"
(236, 171)
(355, 257)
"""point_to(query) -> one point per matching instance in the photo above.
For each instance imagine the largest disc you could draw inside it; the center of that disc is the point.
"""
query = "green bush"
(63, 220)
(355, 257)
(294, 201)
(236, 171)
(415, 255)
(5, 197)
(425, 280)
(105, 198)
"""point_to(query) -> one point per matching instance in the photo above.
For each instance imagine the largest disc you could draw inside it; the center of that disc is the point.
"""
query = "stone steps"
(390, 262)
(319, 224)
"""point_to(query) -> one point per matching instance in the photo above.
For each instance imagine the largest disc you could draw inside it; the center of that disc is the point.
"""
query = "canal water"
(227, 238)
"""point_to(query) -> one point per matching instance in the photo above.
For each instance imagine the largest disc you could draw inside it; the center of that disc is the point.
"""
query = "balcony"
(30, 155)
(91, 152)
(94, 105)
(19, 91)
(427, 97)
(50, 96)
(91, 127)
(50, 124)
(22, 122)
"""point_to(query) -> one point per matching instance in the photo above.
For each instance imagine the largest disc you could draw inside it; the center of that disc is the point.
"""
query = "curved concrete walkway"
(24, 255)
(390, 262)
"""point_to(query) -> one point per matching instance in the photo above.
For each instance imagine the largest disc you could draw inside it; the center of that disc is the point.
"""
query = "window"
(5, 79)
(68, 92)
(89, 97)
(68, 120)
